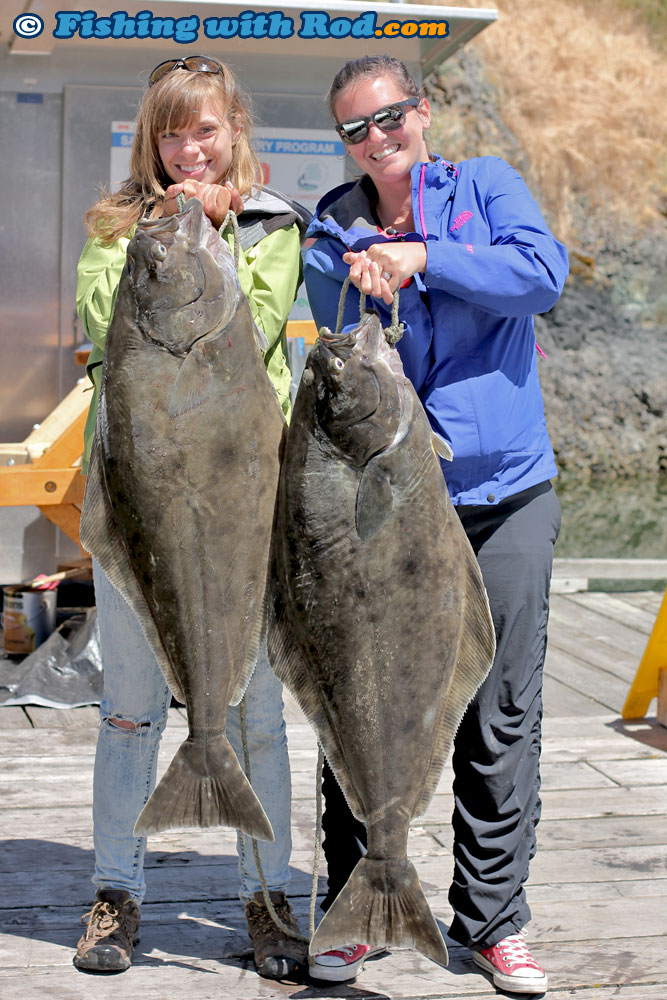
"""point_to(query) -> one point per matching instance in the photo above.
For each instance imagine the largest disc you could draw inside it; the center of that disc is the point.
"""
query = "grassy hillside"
(580, 96)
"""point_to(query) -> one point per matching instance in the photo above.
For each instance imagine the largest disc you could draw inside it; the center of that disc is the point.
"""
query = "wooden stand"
(46, 467)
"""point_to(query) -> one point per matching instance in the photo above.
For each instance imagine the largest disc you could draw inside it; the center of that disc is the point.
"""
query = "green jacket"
(269, 274)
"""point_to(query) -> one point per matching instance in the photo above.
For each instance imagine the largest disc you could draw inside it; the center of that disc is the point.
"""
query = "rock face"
(605, 375)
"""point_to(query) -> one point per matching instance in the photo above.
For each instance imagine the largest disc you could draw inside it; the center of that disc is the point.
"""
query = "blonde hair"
(172, 103)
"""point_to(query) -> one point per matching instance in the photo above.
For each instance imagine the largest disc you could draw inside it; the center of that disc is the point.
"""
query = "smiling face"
(387, 157)
(201, 149)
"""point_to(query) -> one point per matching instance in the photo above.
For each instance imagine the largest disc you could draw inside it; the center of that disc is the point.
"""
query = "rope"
(255, 846)
(230, 217)
(393, 332)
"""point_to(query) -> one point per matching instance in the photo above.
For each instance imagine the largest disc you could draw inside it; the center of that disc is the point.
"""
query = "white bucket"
(28, 617)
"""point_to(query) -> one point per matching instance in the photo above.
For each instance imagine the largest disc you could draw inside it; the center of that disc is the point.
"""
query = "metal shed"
(70, 84)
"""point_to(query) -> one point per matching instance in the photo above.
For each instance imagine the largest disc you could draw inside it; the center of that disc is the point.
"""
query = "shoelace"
(104, 915)
(515, 952)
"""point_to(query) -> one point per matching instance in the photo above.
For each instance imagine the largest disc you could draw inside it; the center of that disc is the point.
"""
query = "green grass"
(653, 15)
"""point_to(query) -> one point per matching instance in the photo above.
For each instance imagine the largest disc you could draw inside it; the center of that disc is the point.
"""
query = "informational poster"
(122, 134)
(302, 163)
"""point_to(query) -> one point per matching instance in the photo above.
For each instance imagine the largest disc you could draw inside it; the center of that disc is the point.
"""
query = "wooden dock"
(598, 885)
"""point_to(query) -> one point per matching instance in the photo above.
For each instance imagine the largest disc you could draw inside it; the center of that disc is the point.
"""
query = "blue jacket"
(469, 345)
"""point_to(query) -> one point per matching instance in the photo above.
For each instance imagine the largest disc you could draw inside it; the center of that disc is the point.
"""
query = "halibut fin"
(375, 501)
(382, 903)
(441, 447)
(204, 786)
(476, 647)
(101, 537)
(193, 383)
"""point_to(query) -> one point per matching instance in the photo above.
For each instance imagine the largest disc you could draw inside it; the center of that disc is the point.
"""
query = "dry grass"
(583, 87)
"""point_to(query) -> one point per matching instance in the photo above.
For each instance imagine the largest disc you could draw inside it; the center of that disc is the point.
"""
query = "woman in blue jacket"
(473, 258)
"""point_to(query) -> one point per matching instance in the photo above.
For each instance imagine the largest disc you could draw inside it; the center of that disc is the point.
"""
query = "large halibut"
(379, 622)
(180, 497)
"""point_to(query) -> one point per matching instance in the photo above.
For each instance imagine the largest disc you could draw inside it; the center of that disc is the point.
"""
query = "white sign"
(122, 134)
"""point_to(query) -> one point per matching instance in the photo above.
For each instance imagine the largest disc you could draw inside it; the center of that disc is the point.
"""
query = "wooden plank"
(565, 611)
(213, 963)
(649, 600)
(612, 569)
(601, 687)
(14, 454)
(579, 644)
(594, 864)
(25, 484)
(574, 804)
(591, 749)
(617, 609)
(604, 831)
(68, 412)
(67, 448)
(639, 732)
(637, 772)
(63, 718)
(30, 742)
(560, 699)
(575, 774)
(179, 883)
(12, 717)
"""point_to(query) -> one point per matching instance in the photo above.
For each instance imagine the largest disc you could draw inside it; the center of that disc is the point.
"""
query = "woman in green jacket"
(192, 139)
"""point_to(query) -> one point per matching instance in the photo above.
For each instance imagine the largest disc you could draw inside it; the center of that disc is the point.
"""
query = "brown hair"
(369, 67)
(173, 102)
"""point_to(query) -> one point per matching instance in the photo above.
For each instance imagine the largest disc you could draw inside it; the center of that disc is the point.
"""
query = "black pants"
(497, 747)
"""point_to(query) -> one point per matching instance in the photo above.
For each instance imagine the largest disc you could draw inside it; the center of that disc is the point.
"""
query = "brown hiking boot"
(277, 956)
(112, 932)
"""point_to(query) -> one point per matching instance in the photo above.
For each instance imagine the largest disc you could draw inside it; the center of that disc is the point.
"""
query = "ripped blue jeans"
(126, 759)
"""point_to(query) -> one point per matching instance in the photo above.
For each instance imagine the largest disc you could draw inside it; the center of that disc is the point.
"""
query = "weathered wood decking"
(598, 885)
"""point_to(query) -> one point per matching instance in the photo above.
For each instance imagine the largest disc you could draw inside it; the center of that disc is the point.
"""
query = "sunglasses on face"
(388, 119)
(195, 64)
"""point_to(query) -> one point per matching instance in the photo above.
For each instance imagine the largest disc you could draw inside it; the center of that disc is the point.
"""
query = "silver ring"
(386, 275)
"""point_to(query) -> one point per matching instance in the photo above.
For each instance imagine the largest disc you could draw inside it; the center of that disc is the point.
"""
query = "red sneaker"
(342, 963)
(512, 966)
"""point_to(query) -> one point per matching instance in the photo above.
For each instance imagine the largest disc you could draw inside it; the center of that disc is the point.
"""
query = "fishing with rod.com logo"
(248, 24)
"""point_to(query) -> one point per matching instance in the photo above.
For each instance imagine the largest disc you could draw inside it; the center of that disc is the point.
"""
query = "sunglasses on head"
(388, 119)
(195, 64)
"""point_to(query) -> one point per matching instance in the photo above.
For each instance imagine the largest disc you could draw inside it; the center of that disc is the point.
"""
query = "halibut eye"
(308, 377)
(336, 364)
(159, 251)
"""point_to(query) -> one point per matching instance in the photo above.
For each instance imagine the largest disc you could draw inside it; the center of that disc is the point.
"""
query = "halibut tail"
(382, 903)
(204, 786)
